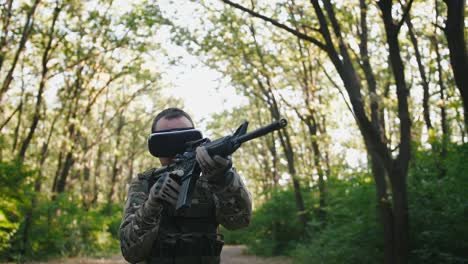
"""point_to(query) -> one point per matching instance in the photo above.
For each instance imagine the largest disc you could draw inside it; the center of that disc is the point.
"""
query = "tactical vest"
(190, 235)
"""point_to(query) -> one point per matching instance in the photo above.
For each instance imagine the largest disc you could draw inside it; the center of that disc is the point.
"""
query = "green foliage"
(64, 227)
(350, 229)
(274, 229)
(14, 191)
(351, 234)
(438, 206)
(59, 227)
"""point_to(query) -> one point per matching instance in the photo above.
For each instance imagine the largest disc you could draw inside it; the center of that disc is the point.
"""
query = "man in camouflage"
(153, 232)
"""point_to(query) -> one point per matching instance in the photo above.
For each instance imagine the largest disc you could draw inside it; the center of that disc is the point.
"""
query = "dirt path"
(233, 255)
(230, 255)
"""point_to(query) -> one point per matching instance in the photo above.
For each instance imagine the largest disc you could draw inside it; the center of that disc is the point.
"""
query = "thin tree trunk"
(422, 73)
(42, 83)
(115, 167)
(384, 206)
(27, 29)
(267, 169)
(28, 222)
(57, 171)
(72, 132)
(318, 165)
(307, 83)
(62, 179)
(98, 162)
(20, 116)
(65, 166)
(6, 16)
(399, 168)
(443, 112)
(274, 159)
(18, 108)
(97, 174)
(455, 32)
(283, 135)
(85, 185)
(367, 68)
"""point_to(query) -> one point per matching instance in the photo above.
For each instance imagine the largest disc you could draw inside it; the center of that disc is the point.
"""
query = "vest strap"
(188, 244)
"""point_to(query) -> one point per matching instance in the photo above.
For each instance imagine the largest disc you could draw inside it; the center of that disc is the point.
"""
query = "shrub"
(439, 206)
(351, 234)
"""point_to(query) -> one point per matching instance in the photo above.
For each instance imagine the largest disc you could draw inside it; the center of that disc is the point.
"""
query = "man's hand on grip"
(213, 168)
(165, 189)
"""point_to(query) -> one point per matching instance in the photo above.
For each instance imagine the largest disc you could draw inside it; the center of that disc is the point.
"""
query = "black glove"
(166, 189)
(213, 168)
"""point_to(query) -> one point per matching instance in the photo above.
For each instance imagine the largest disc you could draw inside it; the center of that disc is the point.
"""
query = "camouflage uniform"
(189, 236)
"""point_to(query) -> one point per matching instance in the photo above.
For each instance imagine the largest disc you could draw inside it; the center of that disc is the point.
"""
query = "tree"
(394, 215)
(455, 32)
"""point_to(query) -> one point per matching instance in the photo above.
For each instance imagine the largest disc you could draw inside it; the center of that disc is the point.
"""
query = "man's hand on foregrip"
(166, 189)
(213, 168)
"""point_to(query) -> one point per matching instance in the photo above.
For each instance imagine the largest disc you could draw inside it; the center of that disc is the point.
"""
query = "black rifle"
(223, 147)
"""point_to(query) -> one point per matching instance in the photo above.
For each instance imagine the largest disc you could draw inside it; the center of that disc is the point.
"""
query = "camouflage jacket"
(230, 202)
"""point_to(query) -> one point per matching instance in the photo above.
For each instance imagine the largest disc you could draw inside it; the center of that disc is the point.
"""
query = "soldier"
(153, 232)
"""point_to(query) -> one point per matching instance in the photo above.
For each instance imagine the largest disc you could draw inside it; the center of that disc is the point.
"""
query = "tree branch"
(9, 117)
(278, 24)
(334, 84)
(405, 14)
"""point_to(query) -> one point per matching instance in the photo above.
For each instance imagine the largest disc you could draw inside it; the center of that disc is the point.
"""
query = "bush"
(351, 234)
(439, 206)
(15, 191)
(274, 229)
(59, 227)
(64, 228)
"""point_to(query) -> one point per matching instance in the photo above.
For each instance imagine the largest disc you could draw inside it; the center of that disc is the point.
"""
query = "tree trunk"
(115, 167)
(395, 224)
(399, 168)
(455, 33)
(62, 179)
(6, 16)
(27, 29)
(310, 120)
(422, 73)
(57, 171)
(114, 173)
(85, 187)
(42, 83)
(442, 103)
(367, 68)
(97, 174)
(28, 221)
(318, 165)
(384, 206)
(20, 118)
(283, 135)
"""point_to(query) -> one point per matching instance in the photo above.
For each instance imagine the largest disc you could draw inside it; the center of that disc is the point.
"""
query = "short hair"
(170, 113)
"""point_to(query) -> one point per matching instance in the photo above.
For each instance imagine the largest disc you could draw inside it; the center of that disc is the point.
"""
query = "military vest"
(190, 235)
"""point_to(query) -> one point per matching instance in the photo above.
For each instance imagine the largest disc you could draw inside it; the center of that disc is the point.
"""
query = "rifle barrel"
(276, 125)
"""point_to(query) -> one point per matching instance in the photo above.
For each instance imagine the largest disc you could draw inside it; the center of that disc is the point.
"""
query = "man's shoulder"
(146, 174)
(140, 181)
(148, 177)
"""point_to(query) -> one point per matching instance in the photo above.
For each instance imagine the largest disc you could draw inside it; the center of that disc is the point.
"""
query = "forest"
(372, 167)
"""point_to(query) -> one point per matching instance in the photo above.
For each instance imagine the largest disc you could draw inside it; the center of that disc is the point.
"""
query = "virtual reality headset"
(168, 143)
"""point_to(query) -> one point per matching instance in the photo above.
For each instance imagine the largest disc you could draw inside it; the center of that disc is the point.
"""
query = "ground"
(230, 255)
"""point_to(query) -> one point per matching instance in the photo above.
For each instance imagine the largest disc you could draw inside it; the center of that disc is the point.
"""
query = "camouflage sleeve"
(140, 224)
(233, 202)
